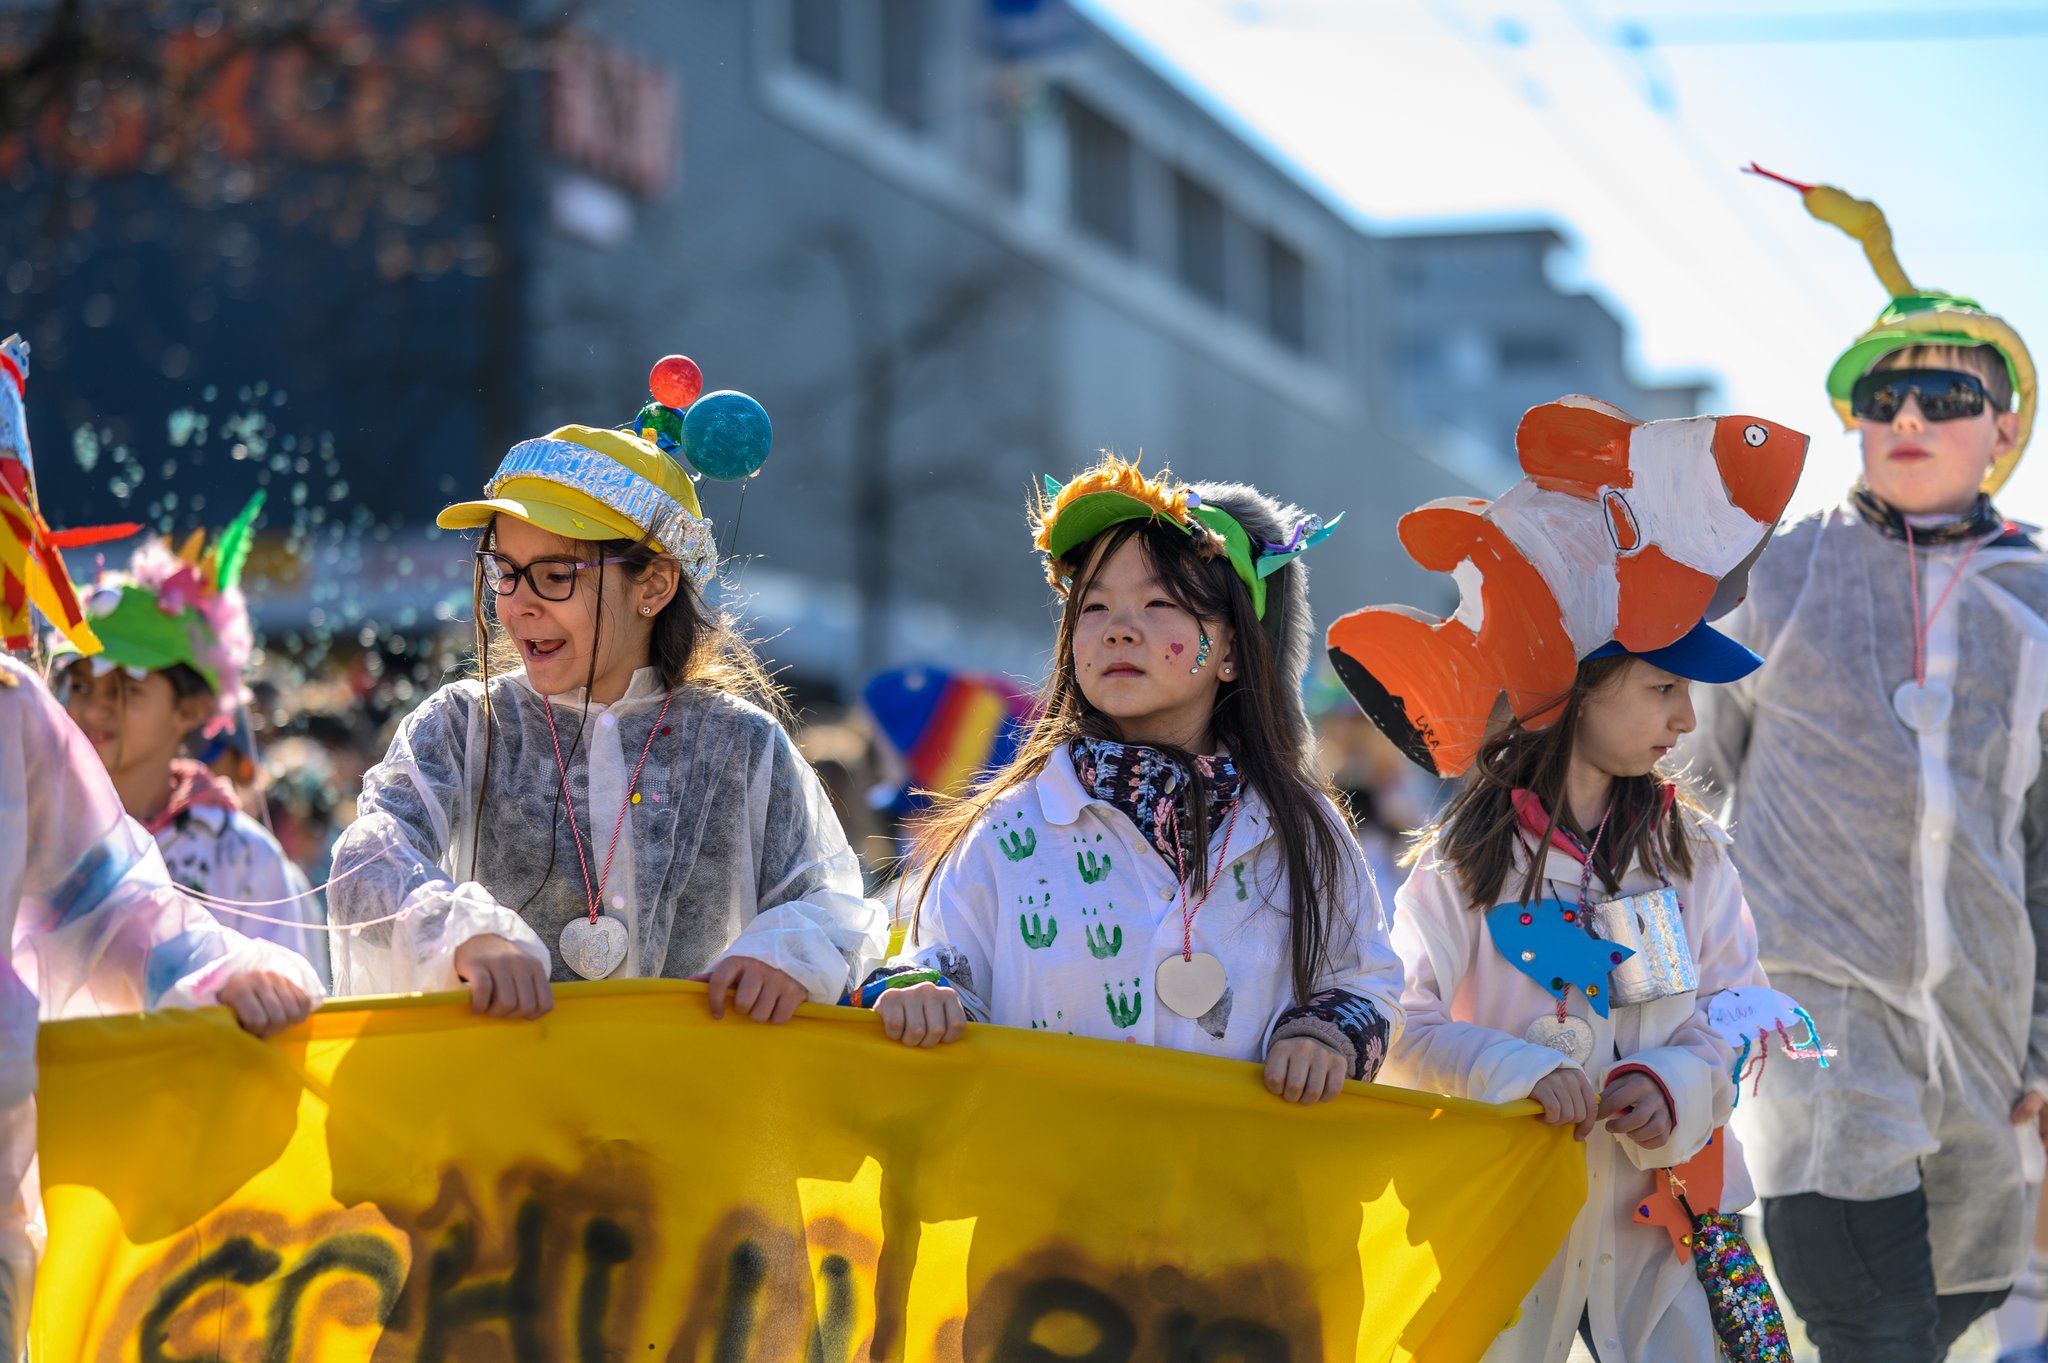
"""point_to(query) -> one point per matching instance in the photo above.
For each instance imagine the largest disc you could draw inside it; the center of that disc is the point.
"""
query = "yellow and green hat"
(1115, 490)
(1914, 316)
(590, 483)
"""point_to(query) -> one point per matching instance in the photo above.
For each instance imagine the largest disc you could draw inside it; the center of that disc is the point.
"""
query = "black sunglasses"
(1944, 394)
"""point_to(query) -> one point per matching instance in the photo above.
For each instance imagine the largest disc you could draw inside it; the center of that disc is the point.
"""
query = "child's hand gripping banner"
(627, 1179)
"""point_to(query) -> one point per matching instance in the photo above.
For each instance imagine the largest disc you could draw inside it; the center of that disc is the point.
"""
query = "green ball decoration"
(661, 424)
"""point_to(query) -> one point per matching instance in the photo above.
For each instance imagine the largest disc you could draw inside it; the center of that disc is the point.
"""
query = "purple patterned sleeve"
(1346, 1023)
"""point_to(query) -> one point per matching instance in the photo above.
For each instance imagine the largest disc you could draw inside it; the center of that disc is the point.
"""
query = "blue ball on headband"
(727, 436)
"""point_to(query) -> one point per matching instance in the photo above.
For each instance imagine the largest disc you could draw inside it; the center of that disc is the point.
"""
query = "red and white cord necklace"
(1193, 982)
(585, 942)
(1925, 706)
(1569, 1036)
(1586, 882)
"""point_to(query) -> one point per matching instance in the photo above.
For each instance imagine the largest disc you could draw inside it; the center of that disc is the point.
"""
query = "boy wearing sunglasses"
(1891, 828)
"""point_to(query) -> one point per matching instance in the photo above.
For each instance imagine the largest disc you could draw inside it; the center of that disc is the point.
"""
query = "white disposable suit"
(97, 927)
(1899, 879)
(731, 849)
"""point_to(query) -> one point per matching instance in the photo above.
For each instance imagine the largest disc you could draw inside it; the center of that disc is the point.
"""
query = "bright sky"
(1624, 124)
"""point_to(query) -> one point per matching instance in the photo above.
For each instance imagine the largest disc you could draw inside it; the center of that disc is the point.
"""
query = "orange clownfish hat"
(1621, 537)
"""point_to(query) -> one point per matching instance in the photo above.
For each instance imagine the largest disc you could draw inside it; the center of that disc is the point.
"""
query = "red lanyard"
(596, 896)
(1188, 911)
(1586, 875)
(1922, 627)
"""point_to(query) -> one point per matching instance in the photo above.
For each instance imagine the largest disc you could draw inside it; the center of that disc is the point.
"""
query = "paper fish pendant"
(1750, 1017)
(1619, 530)
(1700, 1179)
(1545, 941)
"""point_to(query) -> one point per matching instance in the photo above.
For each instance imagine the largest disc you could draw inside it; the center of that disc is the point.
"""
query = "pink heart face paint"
(1177, 649)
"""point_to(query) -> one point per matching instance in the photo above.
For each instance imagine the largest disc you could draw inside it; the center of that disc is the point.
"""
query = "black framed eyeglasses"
(552, 579)
(1943, 394)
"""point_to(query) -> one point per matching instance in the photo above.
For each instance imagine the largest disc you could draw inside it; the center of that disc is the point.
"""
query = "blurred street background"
(346, 251)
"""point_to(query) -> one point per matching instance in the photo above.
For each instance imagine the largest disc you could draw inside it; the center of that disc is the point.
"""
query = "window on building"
(1198, 219)
(1534, 351)
(1286, 295)
(817, 37)
(1099, 170)
(906, 53)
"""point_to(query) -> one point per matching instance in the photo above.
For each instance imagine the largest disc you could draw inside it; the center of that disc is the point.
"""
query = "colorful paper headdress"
(1619, 533)
(183, 607)
(1115, 490)
(590, 483)
(1914, 317)
(32, 570)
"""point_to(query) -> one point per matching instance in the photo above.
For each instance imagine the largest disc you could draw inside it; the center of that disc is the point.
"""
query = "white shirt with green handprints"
(1056, 914)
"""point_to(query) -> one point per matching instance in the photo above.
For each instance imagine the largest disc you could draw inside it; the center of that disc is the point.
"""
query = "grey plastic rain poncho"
(97, 927)
(1899, 880)
(733, 848)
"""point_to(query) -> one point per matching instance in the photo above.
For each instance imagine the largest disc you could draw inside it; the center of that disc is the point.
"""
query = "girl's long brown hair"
(694, 644)
(1256, 718)
(1479, 831)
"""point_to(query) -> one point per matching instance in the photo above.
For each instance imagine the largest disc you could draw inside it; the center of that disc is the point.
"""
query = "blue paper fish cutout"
(1552, 948)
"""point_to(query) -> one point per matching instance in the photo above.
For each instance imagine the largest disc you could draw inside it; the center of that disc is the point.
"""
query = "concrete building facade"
(952, 248)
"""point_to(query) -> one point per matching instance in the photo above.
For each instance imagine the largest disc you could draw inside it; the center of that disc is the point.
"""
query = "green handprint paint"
(1101, 943)
(1093, 870)
(1237, 869)
(1018, 846)
(1035, 937)
(1124, 1011)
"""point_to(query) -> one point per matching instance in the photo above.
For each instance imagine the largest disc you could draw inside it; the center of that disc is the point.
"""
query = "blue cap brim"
(1703, 655)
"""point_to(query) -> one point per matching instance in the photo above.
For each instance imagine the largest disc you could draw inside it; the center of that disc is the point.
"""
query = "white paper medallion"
(1924, 706)
(1569, 1036)
(594, 950)
(1189, 986)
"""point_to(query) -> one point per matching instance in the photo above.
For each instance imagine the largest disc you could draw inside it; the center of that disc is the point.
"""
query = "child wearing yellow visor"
(608, 797)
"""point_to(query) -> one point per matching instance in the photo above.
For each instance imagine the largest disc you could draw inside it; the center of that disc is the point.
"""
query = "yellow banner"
(627, 1179)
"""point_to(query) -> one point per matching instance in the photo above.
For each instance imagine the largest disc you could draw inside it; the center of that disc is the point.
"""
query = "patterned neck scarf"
(1980, 521)
(193, 786)
(1152, 788)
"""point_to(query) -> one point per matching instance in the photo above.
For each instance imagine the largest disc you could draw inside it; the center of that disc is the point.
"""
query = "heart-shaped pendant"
(1924, 706)
(1571, 1037)
(594, 949)
(1189, 985)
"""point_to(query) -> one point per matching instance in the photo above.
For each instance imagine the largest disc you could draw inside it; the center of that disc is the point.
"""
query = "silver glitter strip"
(606, 480)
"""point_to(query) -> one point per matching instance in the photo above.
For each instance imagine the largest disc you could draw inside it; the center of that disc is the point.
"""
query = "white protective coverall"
(1468, 1010)
(1899, 880)
(97, 927)
(732, 850)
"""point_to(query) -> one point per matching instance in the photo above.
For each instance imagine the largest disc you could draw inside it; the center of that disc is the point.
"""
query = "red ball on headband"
(675, 381)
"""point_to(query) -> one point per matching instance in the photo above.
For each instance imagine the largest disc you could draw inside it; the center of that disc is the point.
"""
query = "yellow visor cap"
(588, 483)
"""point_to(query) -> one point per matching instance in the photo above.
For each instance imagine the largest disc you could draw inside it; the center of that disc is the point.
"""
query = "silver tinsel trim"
(667, 521)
